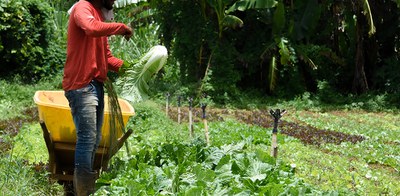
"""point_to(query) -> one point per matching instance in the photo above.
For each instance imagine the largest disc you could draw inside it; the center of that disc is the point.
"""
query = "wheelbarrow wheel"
(68, 188)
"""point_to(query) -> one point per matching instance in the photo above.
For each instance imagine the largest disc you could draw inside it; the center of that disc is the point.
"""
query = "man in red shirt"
(88, 61)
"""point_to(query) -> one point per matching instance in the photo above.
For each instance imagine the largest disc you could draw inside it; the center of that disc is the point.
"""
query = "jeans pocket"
(87, 89)
(82, 96)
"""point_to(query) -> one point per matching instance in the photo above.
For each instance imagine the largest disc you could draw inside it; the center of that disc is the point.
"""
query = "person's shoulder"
(83, 4)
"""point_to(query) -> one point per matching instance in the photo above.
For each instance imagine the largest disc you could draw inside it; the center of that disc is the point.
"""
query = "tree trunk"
(360, 84)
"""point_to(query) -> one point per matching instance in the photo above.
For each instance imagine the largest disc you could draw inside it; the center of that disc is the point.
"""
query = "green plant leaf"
(272, 75)
(232, 21)
(223, 161)
(278, 23)
(244, 5)
(194, 191)
(284, 51)
(235, 168)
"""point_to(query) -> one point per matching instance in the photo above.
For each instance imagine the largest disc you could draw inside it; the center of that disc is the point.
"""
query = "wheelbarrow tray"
(60, 135)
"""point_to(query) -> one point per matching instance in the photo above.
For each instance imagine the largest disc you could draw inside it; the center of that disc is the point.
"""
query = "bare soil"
(12, 126)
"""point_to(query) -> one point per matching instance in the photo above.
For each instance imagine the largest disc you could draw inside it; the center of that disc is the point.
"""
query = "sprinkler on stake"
(190, 117)
(277, 114)
(203, 107)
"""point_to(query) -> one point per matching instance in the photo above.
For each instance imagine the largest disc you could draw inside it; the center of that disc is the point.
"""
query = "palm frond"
(135, 84)
(272, 75)
(303, 56)
(368, 14)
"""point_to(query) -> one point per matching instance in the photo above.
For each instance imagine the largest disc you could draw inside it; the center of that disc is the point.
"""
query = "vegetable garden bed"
(329, 152)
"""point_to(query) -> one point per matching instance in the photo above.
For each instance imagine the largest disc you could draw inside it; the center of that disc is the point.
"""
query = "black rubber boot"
(68, 188)
(84, 182)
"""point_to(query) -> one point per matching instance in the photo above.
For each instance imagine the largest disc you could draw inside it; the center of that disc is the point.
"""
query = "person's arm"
(85, 19)
(114, 63)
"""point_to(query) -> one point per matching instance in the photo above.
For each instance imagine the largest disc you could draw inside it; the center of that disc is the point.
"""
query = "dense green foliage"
(28, 45)
(282, 47)
(225, 47)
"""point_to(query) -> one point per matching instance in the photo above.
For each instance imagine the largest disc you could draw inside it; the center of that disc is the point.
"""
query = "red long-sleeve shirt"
(88, 53)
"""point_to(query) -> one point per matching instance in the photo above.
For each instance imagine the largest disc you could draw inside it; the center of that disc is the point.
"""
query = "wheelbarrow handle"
(120, 142)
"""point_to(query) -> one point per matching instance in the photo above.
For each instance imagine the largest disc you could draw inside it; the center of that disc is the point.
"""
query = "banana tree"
(363, 13)
(354, 19)
(279, 42)
(224, 20)
(294, 23)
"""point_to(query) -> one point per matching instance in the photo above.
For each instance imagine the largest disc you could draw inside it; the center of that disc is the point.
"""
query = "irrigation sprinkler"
(203, 107)
(167, 103)
(179, 109)
(190, 99)
(277, 114)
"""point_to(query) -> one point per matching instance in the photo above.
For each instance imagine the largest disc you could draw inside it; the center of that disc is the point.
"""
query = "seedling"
(203, 107)
(277, 114)
(190, 99)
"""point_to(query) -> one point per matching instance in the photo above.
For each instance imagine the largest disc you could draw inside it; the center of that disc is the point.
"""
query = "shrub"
(27, 42)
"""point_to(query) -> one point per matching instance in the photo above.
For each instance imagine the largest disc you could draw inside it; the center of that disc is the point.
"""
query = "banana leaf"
(123, 3)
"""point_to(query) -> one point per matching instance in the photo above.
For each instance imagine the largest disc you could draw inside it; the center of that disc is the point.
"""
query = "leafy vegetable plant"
(138, 74)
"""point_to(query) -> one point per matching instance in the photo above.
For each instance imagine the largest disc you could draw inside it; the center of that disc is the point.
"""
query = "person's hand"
(123, 68)
(128, 33)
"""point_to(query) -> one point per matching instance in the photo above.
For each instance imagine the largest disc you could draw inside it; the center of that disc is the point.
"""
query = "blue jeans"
(87, 108)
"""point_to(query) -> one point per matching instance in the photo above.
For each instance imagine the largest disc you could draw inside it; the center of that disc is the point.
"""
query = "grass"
(380, 129)
(23, 169)
(15, 96)
(29, 146)
(334, 171)
(370, 167)
(17, 178)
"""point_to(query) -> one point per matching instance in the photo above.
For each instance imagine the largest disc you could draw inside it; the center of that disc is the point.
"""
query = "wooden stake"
(274, 147)
(179, 109)
(167, 104)
(190, 118)
(206, 132)
(203, 107)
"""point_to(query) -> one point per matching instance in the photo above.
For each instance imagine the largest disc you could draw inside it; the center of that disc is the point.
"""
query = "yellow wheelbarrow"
(60, 135)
